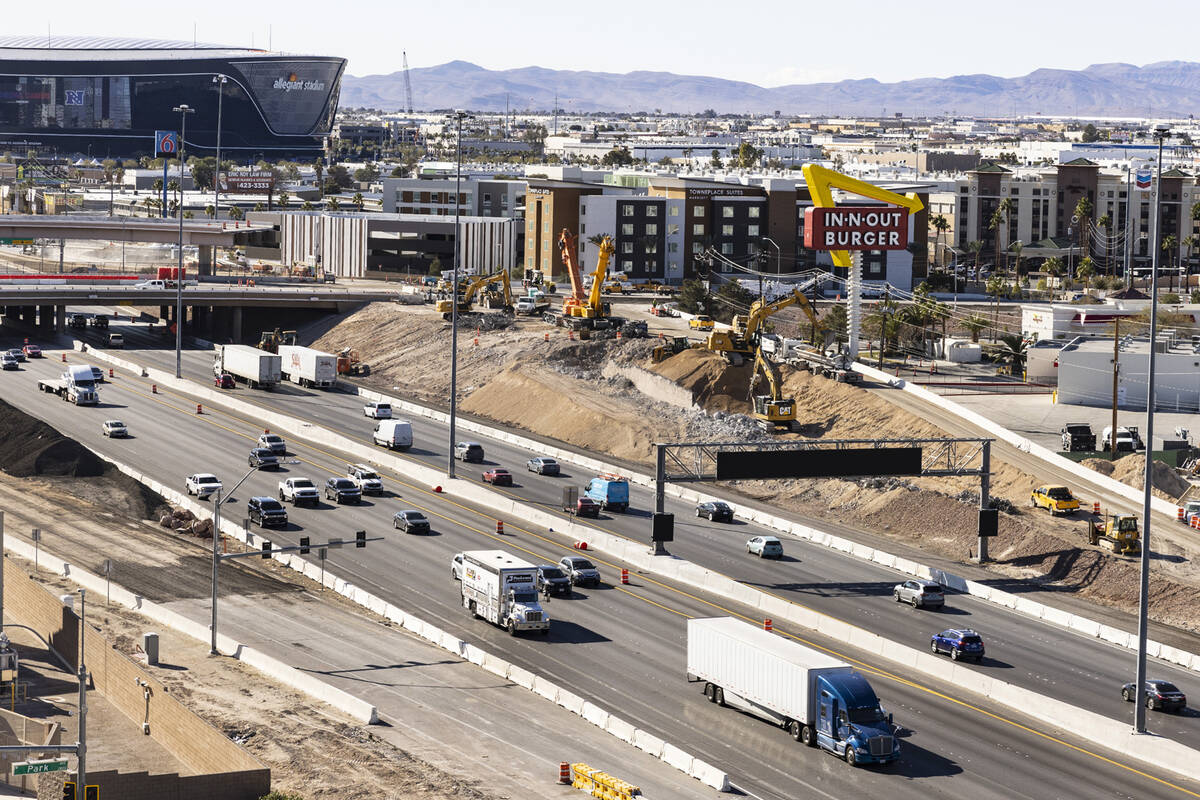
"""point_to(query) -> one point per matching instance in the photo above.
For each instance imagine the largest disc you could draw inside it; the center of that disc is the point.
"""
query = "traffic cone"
(499, 527)
(199, 408)
(768, 624)
(564, 772)
(624, 575)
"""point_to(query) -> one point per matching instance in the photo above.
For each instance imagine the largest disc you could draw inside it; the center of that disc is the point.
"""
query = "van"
(116, 340)
(394, 434)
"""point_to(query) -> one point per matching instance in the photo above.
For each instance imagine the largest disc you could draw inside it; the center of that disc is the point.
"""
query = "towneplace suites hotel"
(107, 97)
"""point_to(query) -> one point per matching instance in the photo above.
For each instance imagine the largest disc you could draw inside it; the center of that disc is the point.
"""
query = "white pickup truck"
(299, 491)
(368, 479)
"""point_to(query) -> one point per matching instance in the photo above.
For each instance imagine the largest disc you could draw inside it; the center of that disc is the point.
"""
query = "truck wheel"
(796, 730)
(719, 696)
(851, 759)
(808, 736)
(281, 496)
(512, 628)
(710, 692)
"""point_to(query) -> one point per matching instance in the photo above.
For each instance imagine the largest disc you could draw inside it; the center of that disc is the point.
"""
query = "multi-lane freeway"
(622, 646)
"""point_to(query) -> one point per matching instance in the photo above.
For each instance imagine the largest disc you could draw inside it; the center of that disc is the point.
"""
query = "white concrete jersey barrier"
(1152, 749)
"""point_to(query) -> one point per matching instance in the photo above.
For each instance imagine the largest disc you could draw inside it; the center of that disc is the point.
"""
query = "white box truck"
(502, 589)
(307, 367)
(258, 368)
(818, 699)
(394, 434)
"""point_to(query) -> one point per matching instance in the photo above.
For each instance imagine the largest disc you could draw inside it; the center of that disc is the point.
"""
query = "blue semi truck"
(817, 699)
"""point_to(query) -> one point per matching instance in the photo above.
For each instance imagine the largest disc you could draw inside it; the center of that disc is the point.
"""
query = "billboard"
(764, 464)
(856, 228)
(258, 182)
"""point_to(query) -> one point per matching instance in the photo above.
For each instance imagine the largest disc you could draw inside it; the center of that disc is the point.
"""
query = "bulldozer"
(773, 412)
(670, 347)
(270, 340)
(495, 289)
(1118, 533)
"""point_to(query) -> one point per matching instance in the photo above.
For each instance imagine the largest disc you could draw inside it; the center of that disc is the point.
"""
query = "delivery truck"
(503, 589)
(258, 368)
(816, 698)
(307, 367)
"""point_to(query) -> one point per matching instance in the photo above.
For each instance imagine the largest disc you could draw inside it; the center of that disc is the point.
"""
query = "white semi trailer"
(502, 589)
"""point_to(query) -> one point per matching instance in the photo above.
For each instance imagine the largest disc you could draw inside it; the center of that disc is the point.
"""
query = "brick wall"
(225, 770)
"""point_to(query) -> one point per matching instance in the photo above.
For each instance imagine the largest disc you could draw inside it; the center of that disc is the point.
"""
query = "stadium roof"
(96, 48)
(102, 43)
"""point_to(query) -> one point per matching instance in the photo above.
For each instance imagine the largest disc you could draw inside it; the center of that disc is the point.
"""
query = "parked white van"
(394, 434)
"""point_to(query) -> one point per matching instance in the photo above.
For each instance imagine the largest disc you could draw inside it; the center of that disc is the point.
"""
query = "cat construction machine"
(742, 337)
(269, 341)
(495, 291)
(1116, 532)
(582, 308)
(773, 412)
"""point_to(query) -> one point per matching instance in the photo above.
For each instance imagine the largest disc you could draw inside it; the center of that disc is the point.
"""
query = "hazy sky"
(767, 42)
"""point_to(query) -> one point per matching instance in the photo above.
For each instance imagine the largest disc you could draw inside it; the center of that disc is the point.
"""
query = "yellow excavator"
(583, 307)
(742, 336)
(495, 289)
(773, 411)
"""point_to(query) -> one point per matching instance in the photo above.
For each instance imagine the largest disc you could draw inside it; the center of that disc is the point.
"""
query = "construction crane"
(583, 307)
(743, 335)
(407, 83)
(773, 412)
(495, 288)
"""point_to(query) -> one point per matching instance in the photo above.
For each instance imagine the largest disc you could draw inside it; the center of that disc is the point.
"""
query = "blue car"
(959, 643)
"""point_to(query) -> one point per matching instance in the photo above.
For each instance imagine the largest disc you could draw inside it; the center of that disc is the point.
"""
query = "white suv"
(377, 410)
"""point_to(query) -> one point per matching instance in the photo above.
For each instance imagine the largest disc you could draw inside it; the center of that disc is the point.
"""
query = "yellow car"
(702, 323)
(1055, 499)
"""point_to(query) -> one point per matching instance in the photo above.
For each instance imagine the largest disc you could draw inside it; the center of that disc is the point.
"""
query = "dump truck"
(307, 367)
(258, 369)
(1077, 437)
(503, 589)
(818, 699)
(1118, 533)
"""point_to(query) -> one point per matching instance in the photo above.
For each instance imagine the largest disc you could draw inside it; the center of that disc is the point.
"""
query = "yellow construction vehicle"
(270, 340)
(742, 336)
(495, 288)
(583, 308)
(1118, 533)
(773, 411)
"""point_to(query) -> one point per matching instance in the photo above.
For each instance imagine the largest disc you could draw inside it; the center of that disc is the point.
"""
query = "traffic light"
(303, 545)
(91, 792)
(266, 549)
(68, 790)
(360, 538)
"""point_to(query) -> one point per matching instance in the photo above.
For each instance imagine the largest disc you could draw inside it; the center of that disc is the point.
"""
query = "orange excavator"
(583, 308)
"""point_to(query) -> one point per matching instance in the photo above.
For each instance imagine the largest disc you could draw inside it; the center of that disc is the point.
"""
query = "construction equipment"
(495, 289)
(348, 363)
(270, 340)
(799, 354)
(1118, 533)
(743, 335)
(773, 412)
(582, 308)
(672, 346)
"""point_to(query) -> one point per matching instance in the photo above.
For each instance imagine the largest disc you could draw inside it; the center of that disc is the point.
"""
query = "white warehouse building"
(1085, 374)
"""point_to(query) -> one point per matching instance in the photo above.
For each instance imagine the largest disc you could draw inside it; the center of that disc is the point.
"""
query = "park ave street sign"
(36, 767)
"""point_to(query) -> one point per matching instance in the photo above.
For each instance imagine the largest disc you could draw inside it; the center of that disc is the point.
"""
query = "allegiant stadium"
(107, 97)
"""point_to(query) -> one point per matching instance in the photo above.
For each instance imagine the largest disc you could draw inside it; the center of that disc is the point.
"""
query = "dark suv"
(342, 490)
(552, 580)
(959, 643)
(267, 512)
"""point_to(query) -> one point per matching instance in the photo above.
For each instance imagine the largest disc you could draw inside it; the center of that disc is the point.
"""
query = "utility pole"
(1116, 372)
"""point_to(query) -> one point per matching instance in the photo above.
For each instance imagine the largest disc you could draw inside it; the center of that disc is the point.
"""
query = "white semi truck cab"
(502, 589)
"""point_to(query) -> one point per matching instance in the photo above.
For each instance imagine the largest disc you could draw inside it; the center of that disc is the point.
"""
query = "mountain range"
(1162, 89)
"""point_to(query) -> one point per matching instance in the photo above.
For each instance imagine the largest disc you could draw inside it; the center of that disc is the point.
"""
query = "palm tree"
(995, 287)
(975, 247)
(319, 168)
(235, 212)
(149, 203)
(333, 204)
(1086, 269)
(974, 324)
(306, 206)
(1083, 210)
(1016, 249)
(1190, 241)
(1011, 350)
(1053, 266)
(210, 211)
(1105, 222)
(1169, 245)
(940, 224)
(884, 319)
(999, 224)
(357, 200)
(284, 199)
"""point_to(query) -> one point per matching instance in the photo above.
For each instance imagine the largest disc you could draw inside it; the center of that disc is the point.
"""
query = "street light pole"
(183, 111)
(1139, 708)
(459, 116)
(220, 81)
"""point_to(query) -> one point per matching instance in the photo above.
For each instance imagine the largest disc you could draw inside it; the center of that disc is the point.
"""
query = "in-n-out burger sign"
(856, 228)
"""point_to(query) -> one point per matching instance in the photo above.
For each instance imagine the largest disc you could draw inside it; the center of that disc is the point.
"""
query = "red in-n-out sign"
(856, 228)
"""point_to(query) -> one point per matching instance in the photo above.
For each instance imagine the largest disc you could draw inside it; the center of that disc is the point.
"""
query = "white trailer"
(817, 698)
(258, 368)
(307, 367)
(502, 589)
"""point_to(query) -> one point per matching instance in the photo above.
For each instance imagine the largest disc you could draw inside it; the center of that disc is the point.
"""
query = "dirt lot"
(516, 377)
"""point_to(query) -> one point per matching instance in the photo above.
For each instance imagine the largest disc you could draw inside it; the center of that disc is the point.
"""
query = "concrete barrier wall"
(651, 385)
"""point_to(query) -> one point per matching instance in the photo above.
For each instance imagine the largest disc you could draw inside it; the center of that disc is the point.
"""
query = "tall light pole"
(220, 81)
(459, 116)
(1161, 132)
(182, 111)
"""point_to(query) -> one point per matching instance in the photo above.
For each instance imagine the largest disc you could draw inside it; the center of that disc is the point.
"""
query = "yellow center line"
(867, 667)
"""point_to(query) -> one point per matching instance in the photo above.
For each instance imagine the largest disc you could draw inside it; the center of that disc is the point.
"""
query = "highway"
(642, 677)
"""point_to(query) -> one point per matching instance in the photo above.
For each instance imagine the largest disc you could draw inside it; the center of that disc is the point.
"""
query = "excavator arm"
(767, 368)
(598, 277)
(569, 249)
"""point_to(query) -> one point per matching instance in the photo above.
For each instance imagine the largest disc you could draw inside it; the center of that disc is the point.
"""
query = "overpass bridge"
(211, 308)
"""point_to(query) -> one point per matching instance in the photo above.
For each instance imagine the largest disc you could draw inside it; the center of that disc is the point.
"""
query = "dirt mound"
(1131, 470)
(30, 447)
(714, 384)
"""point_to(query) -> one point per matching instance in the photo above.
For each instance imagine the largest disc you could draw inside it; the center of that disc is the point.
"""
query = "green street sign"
(16, 241)
(38, 767)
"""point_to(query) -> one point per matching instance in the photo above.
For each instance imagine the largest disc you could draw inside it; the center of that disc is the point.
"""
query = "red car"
(32, 351)
(498, 477)
(585, 507)
(223, 381)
